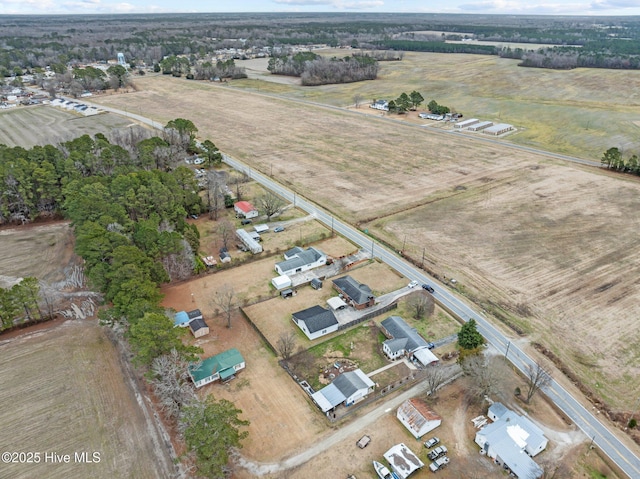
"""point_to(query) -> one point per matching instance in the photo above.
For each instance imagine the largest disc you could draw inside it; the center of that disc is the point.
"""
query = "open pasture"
(47, 125)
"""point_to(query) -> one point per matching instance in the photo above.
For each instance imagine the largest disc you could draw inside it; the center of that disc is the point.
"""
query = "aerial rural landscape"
(320, 245)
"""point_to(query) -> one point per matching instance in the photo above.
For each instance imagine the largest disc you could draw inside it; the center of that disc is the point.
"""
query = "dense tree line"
(437, 47)
(31, 42)
(21, 301)
(405, 102)
(315, 70)
(613, 160)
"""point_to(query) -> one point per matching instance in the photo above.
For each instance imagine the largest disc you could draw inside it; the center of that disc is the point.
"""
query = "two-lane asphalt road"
(617, 451)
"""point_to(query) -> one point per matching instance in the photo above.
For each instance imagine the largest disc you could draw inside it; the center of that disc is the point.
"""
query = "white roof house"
(403, 461)
(512, 440)
(248, 241)
(281, 282)
(418, 417)
(347, 389)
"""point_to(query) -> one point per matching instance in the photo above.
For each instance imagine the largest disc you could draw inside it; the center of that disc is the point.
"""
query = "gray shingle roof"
(316, 318)
(359, 293)
(398, 329)
(303, 258)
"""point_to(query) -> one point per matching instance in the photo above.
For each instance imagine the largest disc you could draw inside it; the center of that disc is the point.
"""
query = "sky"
(515, 7)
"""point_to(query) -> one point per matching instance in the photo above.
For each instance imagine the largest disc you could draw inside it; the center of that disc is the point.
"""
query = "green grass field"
(580, 112)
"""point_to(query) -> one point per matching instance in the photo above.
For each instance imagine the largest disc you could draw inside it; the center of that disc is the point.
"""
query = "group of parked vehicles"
(438, 456)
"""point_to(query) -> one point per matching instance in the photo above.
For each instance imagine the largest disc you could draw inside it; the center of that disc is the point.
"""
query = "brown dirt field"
(41, 250)
(67, 394)
(48, 125)
(572, 267)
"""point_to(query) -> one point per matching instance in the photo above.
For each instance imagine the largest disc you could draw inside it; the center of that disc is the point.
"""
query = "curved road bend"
(618, 452)
(615, 449)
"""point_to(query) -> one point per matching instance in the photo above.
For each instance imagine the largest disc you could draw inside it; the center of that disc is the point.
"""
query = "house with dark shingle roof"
(357, 294)
(222, 366)
(198, 327)
(316, 321)
(405, 341)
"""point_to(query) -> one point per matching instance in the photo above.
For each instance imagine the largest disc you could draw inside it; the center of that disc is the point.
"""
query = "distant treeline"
(35, 42)
(315, 70)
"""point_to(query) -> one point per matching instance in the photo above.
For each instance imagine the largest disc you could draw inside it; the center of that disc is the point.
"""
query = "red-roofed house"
(418, 417)
(245, 209)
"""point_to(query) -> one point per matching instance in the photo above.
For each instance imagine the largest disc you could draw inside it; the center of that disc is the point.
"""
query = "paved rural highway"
(618, 452)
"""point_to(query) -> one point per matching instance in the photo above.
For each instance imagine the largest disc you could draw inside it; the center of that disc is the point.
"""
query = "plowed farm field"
(64, 394)
(548, 246)
(48, 125)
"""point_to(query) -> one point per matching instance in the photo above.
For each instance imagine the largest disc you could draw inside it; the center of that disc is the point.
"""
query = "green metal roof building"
(221, 366)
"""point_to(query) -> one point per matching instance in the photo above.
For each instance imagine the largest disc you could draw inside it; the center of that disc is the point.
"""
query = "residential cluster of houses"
(222, 366)
(75, 106)
(14, 96)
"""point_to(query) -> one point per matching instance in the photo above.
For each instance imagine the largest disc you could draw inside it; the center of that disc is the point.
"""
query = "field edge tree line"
(127, 201)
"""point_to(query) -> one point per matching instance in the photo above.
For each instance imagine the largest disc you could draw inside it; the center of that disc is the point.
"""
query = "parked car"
(437, 452)
(413, 284)
(363, 441)
(431, 442)
(439, 463)
(246, 221)
(431, 345)
(428, 287)
(278, 229)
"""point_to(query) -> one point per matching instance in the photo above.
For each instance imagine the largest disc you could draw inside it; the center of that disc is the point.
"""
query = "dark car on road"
(427, 287)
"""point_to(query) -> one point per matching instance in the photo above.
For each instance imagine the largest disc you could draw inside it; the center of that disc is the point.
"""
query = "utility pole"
(507, 351)
(422, 265)
(404, 242)
(372, 245)
(332, 226)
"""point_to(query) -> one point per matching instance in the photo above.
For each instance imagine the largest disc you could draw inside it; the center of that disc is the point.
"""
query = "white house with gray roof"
(347, 389)
(298, 260)
(511, 440)
(405, 341)
(316, 321)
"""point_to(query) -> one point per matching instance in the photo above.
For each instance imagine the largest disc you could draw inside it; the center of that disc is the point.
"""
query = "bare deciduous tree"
(225, 299)
(435, 377)
(238, 182)
(215, 194)
(484, 373)
(286, 344)
(421, 305)
(171, 382)
(270, 204)
(225, 230)
(537, 377)
(357, 99)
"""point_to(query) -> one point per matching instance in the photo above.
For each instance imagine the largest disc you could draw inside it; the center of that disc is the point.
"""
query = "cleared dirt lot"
(48, 125)
(42, 250)
(63, 391)
(519, 228)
